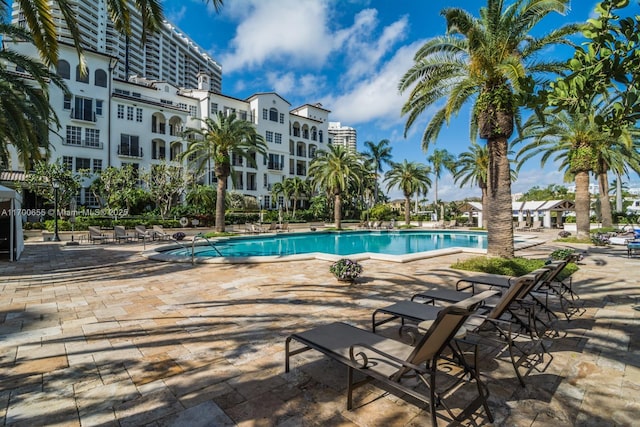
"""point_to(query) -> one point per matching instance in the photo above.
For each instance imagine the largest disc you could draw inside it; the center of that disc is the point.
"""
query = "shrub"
(345, 269)
(509, 267)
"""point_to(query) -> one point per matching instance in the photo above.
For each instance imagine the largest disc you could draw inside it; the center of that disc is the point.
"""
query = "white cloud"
(377, 97)
(291, 30)
(176, 16)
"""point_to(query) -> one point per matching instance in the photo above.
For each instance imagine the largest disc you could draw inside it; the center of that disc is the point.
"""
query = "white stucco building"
(107, 121)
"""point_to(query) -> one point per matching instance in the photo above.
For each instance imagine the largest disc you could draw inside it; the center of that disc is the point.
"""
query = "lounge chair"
(502, 321)
(390, 362)
(159, 233)
(522, 226)
(96, 235)
(284, 228)
(452, 224)
(633, 247)
(120, 234)
(536, 226)
(142, 233)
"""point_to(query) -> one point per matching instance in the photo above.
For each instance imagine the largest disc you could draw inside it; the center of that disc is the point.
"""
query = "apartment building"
(168, 55)
(343, 135)
(108, 121)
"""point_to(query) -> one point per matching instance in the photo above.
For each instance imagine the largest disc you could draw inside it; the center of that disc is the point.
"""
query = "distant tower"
(342, 135)
(203, 81)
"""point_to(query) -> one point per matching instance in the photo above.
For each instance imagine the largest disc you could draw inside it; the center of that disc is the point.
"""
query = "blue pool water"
(340, 243)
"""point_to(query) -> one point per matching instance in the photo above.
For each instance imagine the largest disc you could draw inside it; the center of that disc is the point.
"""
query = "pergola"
(534, 209)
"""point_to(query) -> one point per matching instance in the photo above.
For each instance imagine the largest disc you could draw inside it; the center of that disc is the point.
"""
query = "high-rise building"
(168, 55)
(342, 135)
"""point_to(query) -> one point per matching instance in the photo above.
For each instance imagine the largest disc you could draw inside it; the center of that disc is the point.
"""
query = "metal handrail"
(193, 246)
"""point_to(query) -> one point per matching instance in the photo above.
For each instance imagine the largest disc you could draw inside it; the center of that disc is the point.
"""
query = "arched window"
(320, 136)
(100, 78)
(273, 114)
(80, 77)
(64, 69)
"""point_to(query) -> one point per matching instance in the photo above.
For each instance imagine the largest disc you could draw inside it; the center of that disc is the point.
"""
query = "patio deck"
(99, 335)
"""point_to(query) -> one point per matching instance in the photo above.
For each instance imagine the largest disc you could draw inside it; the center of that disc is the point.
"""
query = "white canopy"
(11, 235)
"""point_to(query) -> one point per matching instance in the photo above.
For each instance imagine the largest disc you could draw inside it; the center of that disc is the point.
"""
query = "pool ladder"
(193, 246)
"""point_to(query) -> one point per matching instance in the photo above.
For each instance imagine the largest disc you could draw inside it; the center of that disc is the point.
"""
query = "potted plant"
(346, 270)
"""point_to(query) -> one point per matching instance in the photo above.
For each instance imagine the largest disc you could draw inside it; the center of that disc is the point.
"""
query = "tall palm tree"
(335, 170)
(571, 138)
(483, 62)
(219, 138)
(38, 15)
(297, 188)
(471, 168)
(616, 155)
(26, 114)
(378, 154)
(411, 178)
(440, 159)
(277, 189)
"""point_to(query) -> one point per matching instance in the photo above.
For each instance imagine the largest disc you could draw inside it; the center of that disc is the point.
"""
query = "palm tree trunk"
(619, 193)
(605, 203)
(499, 215)
(582, 205)
(483, 190)
(407, 209)
(220, 201)
(337, 211)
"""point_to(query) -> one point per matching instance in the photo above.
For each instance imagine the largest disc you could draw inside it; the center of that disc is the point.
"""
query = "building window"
(265, 114)
(99, 106)
(243, 115)
(120, 111)
(278, 138)
(67, 162)
(74, 135)
(97, 165)
(129, 112)
(66, 105)
(265, 180)
(92, 137)
(90, 198)
(138, 114)
(214, 108)
(320, 136)
(267, 202)
(83, 109)
(82, 78)
(130, 145)
(281, 117)
(269, 136)
(100, 78)
(64, 70)
(273, 114)
(82, 164)
(193, 110)
(182, 106)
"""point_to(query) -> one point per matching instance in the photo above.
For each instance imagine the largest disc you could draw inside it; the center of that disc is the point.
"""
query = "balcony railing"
(275, 166)
(87, 116)
(83, 143)
(126, 151)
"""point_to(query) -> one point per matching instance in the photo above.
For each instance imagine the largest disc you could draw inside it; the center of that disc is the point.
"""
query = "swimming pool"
(331, 244)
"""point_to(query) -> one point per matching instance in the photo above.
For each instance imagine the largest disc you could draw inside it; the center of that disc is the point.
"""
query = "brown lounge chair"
(96, 235)
(120, 234)
(142, 233)
(391, 362)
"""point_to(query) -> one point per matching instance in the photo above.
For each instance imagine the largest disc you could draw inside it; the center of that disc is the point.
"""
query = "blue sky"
(349, 55)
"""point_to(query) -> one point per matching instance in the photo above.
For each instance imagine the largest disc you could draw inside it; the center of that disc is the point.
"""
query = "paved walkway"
(98, 335)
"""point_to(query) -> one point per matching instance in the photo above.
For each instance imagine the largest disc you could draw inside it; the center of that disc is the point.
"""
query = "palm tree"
(277, 189)
(219, 138)
(38, 15)
(378, 154)
(296, 187)
(440, 159)
(411, 178)
(572, 139)
(484, 61)
(25, 111)
(334, 170)
(472, 167)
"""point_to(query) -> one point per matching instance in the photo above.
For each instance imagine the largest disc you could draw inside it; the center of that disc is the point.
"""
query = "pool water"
(340, 243)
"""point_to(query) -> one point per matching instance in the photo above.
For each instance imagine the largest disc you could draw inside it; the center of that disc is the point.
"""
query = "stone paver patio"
(99, 335)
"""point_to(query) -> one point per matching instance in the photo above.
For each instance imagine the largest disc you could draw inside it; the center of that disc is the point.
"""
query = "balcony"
(87, 116)
(275, 166)
(126, 151)
(159, 128)
(83, 143)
